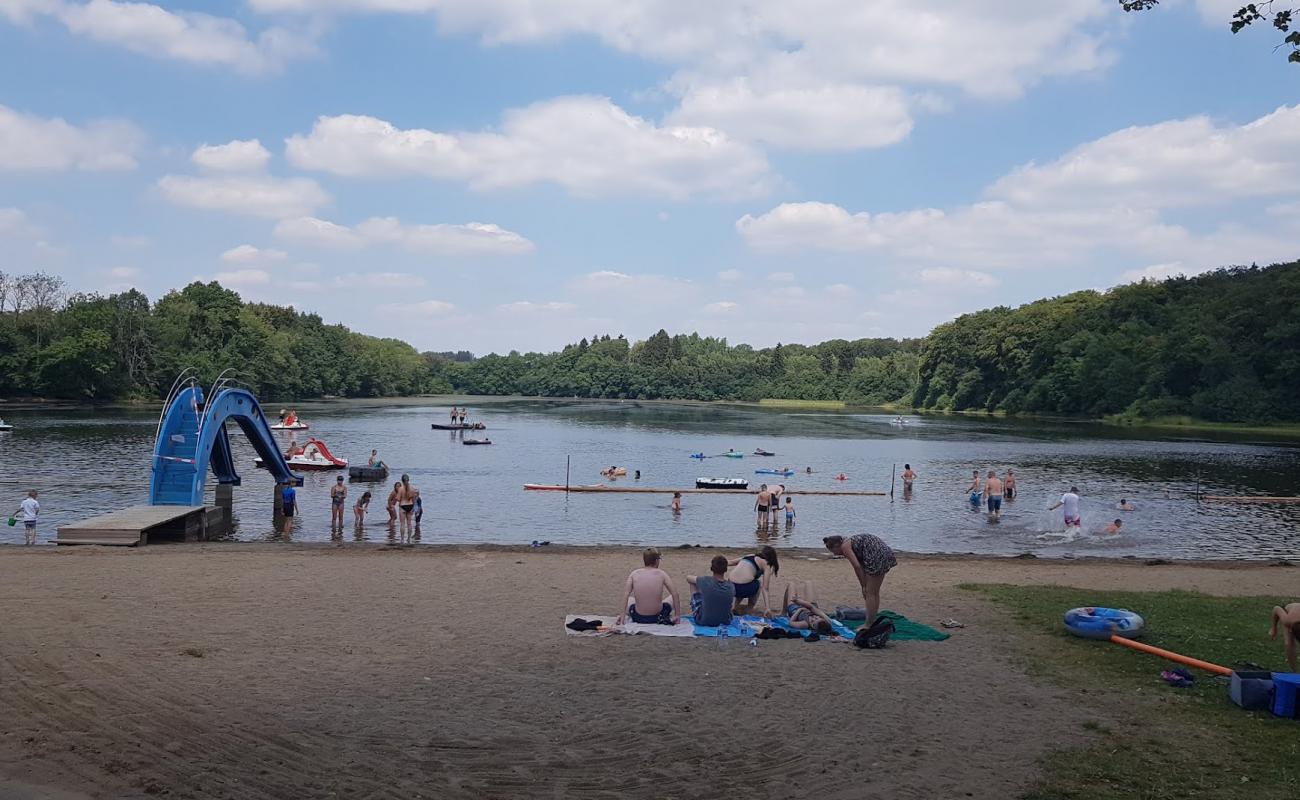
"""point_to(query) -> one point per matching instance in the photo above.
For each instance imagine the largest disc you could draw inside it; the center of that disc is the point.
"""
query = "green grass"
(779, 403)
(1191, 423)
(1189, 744)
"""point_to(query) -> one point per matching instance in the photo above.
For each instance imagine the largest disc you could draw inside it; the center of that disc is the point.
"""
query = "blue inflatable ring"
(1102, 623)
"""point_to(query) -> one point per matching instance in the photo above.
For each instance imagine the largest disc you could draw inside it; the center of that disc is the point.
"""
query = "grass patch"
(1288, 430)
(773, 402)
(1177, 743)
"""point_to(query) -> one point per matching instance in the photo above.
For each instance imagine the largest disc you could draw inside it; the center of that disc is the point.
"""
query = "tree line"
(1222, 346)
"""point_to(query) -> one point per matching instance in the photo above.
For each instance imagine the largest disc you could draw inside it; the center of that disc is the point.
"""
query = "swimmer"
(406, 497)
(993, 493)
(789, 511)
(338, 496)
(974, 489)
(761, 504)
(1009, 486)
(1289, 620)
(808, 470)
(677, 502)
(1125, 505)
(1113, 528)
(841, 477)
(1071, 502)
(909, 477)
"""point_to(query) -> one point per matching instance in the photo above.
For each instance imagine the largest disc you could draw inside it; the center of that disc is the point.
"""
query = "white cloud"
(1157, 272)
(129, 242)
(379, 280)
(588, 145)
(1105, 197)
(470, 239)
(817, 117)
(154, 31)
(124, 273)
(730, 275)
(781, 277)
(721, 307)
(254, 195)
(15, 223)
(528, 306)
(235, 156)
(422, 308)
(243, 277)
(31, 143)
(960, 280)
(248, 254)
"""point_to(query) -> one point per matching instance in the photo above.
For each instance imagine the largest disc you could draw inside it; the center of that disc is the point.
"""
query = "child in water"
(359, 510)
(677, 502)
(789, 510)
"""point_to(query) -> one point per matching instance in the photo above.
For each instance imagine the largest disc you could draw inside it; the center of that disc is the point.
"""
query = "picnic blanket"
(842, 631)
(737, 627)
(905, 630)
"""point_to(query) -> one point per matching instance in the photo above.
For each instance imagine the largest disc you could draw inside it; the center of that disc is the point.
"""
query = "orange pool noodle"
(1172, 656)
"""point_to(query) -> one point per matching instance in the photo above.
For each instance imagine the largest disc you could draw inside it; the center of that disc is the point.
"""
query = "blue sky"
(516, 174)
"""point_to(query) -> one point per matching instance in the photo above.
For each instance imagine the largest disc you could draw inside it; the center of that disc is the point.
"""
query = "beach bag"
(876, 635)
(13, 521)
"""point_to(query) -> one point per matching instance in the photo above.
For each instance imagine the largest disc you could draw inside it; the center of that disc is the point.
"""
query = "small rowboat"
(468, 426)
(763, 453)
(721, 483)
(477, 441)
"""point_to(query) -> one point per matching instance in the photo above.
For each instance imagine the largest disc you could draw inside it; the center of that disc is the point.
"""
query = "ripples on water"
(85, 463)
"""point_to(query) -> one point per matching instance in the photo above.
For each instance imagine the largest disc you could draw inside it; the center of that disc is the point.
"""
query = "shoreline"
(802, 553)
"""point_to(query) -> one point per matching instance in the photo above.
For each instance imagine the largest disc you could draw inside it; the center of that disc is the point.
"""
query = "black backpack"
(876, 635)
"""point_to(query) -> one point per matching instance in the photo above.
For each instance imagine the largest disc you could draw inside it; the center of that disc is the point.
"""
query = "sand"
(265, 671)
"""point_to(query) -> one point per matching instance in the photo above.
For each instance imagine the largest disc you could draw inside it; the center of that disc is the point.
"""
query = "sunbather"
(647, 586)
(800, 604)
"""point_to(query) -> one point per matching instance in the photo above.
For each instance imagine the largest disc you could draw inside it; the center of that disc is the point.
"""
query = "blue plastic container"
(1286, 685)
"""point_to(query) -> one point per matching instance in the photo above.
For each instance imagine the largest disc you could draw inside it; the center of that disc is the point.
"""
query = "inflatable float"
(614, 472)
(698, 455)
(721, 483)
(1103, 623)
(782, 472)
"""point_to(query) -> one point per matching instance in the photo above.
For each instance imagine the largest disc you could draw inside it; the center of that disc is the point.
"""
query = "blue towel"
(734, 628)
(839, 627)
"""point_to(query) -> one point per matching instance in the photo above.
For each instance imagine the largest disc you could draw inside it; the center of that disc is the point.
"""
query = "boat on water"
(290, 422)
(5, 426)
(477, 441)
(614, 472)
(312, 456)
(764, 453)
(467, 426)
(733, 454)
(368, 473)
(782, 472)
(721, 483)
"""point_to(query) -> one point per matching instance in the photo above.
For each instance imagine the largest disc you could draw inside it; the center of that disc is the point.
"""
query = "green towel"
(905, 630)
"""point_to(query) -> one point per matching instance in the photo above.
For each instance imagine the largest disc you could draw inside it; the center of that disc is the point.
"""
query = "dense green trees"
(1224, 346)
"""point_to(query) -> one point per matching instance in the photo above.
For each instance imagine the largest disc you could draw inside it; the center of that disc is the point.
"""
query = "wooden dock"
(136, 525)
(603, 489)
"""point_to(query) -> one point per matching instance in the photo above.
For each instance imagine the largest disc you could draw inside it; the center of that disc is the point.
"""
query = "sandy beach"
(264, 671)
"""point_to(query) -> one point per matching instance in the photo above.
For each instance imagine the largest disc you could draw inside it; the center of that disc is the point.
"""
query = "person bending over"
(751, 575)
(647, 586)
(1289, 620)
(712, 595)
(871, 559)
(800, 603)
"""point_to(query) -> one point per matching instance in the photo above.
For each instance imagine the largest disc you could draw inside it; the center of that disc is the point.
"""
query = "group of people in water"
(768, 506)
(740, 586)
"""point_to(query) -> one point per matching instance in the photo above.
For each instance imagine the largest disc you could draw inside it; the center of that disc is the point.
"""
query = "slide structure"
(192, 436)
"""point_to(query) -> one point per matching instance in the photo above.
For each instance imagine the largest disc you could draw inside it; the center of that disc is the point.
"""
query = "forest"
(1223, 346)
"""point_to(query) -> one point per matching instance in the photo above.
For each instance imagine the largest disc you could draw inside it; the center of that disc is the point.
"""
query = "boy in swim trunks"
(1071, 502)
(974, 489)
(647, 586)
(30, 510)
(993, 494)
(288, 502)
(789, 511)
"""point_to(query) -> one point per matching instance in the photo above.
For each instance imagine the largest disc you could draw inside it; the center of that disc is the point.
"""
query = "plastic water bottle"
(722, 638)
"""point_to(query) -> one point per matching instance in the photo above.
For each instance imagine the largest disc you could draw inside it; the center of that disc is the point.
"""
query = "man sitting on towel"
(646, 587)
(712, 596)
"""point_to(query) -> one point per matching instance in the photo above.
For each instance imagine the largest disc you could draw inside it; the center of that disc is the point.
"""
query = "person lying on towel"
(647, 586)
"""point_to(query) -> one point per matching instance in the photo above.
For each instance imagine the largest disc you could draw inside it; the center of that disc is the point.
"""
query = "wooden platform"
(135, 525)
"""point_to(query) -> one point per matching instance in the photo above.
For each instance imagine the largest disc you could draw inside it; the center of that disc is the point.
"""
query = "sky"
(496, 175)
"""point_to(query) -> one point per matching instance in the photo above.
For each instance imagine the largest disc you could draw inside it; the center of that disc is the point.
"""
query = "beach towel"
(905, 630)
(737, 627)
(607, 627)
(843, 633)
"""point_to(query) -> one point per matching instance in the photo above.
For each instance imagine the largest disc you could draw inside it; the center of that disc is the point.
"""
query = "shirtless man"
(1009, 486)
(909, 477)
(762, 503)
(993, 494)
(974, 489)
(647, 586)
(1289, 620)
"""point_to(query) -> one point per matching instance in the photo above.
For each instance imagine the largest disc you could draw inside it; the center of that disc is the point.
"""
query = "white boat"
(313, 455)
(5, 426)
(296, 425)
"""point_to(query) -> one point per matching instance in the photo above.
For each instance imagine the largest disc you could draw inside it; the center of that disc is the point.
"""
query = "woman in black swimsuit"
(751, 575)
(406, 497)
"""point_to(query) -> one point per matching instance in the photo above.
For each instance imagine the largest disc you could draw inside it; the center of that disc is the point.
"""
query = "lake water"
(90, 462)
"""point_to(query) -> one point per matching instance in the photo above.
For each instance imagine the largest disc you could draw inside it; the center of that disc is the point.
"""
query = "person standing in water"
(677, 503)
(1009, 486)
(789, 511)
(974, 489)
(774, 506)
(1071, 502)
(909, 477)
(406, 497)
(993, 495)
(761, 504)
(392, 502)
(289, 506)
(359, 510)
(338, 496)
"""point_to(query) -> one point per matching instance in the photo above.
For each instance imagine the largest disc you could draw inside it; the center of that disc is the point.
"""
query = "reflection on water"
(90, 462)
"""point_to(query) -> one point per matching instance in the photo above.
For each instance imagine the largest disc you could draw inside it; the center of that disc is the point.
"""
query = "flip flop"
(951, 623)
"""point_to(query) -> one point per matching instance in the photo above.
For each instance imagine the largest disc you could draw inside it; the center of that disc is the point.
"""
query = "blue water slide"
(192, 436)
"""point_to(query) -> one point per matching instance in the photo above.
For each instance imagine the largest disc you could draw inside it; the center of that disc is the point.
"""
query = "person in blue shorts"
(993, 494)
(974, 489)
(289, 503)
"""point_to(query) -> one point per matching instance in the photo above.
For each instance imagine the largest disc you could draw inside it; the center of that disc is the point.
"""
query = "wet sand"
(283, 671)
